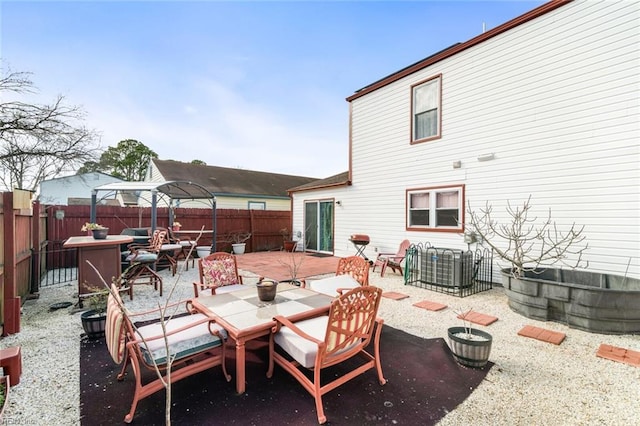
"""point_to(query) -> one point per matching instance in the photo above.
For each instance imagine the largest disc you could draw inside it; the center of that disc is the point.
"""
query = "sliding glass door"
(318, 225)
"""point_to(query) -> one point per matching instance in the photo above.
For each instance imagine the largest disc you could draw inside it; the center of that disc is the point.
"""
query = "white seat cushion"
(169, 247)
(300, 349)
(230, 288)
(182, 344)
(330, 286)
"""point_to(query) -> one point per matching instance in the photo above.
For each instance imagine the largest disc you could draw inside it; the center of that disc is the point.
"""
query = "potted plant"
(293, 263)
(176, 226)
(267, 289)
(98, 231)
(471, 347)
(94, 320)
(237, 240)
(288, 243)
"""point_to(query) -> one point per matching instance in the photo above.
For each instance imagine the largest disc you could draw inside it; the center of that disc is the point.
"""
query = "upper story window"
(438, 208)
(425, 110)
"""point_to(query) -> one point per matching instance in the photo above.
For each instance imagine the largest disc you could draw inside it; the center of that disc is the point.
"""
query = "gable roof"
(230, 181)
(341, 179)
(459, 47)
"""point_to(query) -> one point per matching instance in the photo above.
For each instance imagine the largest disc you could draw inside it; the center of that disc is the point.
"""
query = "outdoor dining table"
(330, 285)
(245, 317)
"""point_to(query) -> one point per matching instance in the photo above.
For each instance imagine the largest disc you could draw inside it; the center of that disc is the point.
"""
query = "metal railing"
(57, 264)
(452, 271)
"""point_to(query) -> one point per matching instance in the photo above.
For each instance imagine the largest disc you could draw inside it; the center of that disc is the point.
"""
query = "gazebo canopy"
(173, 190)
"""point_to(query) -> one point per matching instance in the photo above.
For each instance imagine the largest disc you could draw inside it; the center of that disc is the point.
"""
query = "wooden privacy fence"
(264, 225)
(30, 233)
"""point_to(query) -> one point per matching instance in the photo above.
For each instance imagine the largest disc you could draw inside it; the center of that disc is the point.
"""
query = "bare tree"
(528, 243)
(38, 142)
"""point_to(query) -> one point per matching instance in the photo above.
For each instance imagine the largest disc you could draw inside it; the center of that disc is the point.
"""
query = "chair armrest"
(179, 330)
(282, 321)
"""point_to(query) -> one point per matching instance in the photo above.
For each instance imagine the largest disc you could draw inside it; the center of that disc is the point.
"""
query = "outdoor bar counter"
(103, 254)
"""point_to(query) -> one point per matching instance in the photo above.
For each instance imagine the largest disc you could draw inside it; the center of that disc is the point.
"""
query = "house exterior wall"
(223, 201)
(555, 100)
(242, 203)
(57, 191)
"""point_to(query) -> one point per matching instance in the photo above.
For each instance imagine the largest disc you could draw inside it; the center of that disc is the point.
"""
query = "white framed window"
(426, 108)
(435, 209)
(257, 205)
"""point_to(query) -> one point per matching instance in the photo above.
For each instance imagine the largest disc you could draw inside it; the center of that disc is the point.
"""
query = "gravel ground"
(531, 383)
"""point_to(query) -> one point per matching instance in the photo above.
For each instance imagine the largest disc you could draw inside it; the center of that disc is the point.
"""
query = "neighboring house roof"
(73, 188)
(459, 47)
(341, 179)
(229, 181)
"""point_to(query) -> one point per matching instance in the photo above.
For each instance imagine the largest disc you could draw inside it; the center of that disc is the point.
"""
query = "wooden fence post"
(11, 301)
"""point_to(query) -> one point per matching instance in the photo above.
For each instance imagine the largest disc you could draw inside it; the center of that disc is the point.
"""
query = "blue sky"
(259, 85)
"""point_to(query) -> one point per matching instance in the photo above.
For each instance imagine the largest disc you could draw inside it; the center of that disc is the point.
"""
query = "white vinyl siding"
(555, 100)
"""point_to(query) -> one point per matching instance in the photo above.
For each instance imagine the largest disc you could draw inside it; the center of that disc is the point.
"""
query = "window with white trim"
(435, 208)
(425, 110)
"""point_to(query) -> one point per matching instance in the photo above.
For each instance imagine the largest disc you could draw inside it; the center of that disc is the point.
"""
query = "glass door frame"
(323, 242)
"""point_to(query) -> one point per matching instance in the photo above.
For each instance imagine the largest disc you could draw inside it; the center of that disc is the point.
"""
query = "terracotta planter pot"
(290, 246)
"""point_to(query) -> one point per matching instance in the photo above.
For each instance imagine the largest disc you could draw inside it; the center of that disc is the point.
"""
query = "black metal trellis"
(452, 271)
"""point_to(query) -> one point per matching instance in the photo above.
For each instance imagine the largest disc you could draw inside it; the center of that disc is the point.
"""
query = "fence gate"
(58, 265)
(452, 271)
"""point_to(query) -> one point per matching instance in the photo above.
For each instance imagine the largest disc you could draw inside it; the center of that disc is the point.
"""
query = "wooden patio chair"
(194, 341)
(392, 260)
(317, 343)
(142, 260)
(218, 274)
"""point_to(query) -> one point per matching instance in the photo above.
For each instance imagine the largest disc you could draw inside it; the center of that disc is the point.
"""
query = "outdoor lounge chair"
(194, 341)
(218, 274)
(392, 260)
(320, 342)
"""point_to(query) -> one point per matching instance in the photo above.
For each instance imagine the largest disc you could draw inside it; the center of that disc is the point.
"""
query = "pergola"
(169, 191)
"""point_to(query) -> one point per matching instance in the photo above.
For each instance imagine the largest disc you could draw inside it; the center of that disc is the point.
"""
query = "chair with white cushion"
(195, 343)
(352, 271)
(320, 342)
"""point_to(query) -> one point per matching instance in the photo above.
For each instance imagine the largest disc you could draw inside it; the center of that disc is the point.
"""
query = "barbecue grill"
(360, 242)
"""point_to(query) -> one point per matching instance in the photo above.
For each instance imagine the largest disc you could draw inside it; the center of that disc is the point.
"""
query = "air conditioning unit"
(448, 267)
